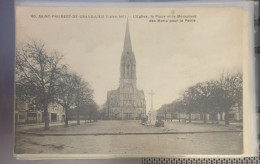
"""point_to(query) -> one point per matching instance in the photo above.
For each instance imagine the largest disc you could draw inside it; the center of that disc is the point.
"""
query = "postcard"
(113, 82)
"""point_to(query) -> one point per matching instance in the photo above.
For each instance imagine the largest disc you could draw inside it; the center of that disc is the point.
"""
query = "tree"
(67, 92)
(190, 100)
(162, 111)
(205, 98)
(37, 74)
(75, 93)
(92, 111)
(230, 92)
(103, 112)
(84, 95)
(179, 107)
(176, 107)
(171, 110)
(209, 97)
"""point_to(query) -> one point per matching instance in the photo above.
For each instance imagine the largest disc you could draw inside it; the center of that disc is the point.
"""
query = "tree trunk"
(165, 116)
(204, 118)
(212, 117)
(201, 116)
(78, 121)
(66, 118)
(46, 117)
(240, 112)
(189, 117)
(171, 117)
(179, 116)
(66, 122)
(226, 117)
(221, 116)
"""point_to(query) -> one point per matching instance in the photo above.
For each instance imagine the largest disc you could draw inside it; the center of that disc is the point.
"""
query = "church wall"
(123, 114)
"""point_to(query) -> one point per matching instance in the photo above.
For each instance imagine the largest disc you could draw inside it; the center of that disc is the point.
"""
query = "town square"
(131, 137)
(130, 89)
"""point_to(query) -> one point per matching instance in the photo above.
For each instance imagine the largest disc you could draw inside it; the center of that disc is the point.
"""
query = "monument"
(127, 102)
(151, 114)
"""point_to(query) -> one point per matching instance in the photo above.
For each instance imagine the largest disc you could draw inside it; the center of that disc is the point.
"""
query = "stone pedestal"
(151, 117)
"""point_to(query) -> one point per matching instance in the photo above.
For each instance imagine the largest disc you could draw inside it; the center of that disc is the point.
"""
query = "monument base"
(150, 123)
(151, 118)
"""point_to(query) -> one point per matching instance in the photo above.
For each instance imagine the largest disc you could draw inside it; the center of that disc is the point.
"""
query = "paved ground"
(24, 127)
(128, 126)
(162, 144)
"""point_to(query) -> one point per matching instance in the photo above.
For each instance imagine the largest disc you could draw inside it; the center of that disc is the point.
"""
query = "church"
(127, 102)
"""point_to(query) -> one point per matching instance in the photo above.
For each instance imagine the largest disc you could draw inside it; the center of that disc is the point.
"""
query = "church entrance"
(129, 113)
(116, 116)
(139, 116)
(128, 116)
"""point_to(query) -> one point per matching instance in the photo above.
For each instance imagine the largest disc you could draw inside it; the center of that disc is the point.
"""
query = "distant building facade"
(235, 114)
(127, 102)
(27, 113)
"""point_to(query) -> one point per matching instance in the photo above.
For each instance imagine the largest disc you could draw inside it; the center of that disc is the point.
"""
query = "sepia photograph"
(130, 82)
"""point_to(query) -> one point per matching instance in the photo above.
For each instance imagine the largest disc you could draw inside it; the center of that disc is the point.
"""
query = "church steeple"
(126, 102)
(127, 43)
(128, 64)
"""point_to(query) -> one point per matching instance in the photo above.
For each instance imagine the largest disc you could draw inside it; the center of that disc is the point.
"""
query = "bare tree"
(176, 108)
(37, 74)
(205, 98)
(210, 97)
(190, 100)
(179, 107)
(230, 94)
(92, 111)
(162, 112)
(84, 95)
(103, 112)
(67, 92)
(171, 110)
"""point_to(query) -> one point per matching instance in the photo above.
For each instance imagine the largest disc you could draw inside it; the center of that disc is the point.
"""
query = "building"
(235, 114)
(27, 113)
(56, 113)
(127, 102)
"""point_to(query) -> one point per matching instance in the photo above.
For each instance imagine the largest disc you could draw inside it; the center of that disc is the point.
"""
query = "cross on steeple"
(152, 93)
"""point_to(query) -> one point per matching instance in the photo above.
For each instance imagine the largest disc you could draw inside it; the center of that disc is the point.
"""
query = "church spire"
(128, 64)
(127, 43)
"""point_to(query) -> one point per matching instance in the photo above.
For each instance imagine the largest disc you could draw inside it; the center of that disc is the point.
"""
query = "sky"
(169, 56)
